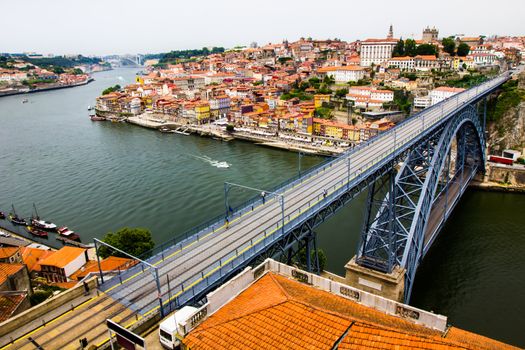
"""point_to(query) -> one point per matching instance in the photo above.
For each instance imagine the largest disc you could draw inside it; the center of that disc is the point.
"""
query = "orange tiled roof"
(6, 252)
(62, 257)
(8, 270)
(111, 263)
(9, 304)
(32, 257)
(279, 313)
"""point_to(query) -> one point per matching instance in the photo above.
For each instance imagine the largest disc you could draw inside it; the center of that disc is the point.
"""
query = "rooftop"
(8, 270)
(7, 252)
(292, 309)
(9, 303)
(62, 257)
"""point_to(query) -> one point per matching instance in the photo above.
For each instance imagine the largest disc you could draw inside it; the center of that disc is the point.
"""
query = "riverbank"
(496, 187)
(217, 132)
(11, 234)
(50, 88)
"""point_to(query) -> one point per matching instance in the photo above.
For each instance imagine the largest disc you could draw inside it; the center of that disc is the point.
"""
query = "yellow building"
(202, 112)
(319, 99)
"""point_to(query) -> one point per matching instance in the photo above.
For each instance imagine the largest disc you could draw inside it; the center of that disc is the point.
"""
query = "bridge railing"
(233, 260)
(292, 219)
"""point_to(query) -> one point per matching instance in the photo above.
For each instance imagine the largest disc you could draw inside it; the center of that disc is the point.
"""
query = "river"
(97, 177)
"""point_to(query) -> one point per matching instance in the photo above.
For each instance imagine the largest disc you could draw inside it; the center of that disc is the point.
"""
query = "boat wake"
(212, 162)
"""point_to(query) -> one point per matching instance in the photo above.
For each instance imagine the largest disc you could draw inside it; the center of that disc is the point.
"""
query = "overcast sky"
(149, 26)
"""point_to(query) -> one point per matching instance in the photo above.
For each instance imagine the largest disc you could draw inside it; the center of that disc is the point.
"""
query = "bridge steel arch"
(396, 229)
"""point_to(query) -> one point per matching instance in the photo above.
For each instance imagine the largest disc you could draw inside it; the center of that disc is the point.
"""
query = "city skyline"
(122, 27)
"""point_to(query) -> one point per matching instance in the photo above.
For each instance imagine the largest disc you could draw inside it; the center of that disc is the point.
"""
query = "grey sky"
(130, 26)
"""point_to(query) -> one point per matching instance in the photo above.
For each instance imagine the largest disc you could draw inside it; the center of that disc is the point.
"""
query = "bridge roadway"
(199, 259)
(192, 263)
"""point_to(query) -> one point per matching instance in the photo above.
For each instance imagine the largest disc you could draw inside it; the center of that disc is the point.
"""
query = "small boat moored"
(69, 234)
(41, 224)
(96, 118)
(15, 219)
(34, 231)
(2, 215)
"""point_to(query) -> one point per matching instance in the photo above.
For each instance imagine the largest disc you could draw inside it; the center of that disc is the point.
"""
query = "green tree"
(323, 112)
(134, 241)
(230, 128)
(463, 49)
(77, 71)
(410, 47)
(426, 49)
(320, 253)
(449, 46)
(111, 89)
(399, 49)
(58, 70)
(341, 93)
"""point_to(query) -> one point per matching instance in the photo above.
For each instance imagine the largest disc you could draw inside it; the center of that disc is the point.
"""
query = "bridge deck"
(197, 260)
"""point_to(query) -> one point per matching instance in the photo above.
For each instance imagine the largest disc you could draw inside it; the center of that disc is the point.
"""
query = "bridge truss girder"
(399, 204)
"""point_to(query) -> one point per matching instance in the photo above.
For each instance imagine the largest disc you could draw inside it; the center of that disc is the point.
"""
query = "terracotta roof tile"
(279, 313)
(6, 252)
(8, 270)
(62, 257)
(32, 257)
(9, 303)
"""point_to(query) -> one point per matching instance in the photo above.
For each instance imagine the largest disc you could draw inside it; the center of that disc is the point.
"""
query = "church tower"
(390, 32)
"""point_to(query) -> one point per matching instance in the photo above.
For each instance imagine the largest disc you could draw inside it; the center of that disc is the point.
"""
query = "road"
(199, 259)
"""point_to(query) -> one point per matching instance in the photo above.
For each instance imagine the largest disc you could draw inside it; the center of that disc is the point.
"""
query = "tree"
(399, 49)
(134, 241)
(58, 70)
(341, 93)
(463, 49)
(449, 46)
(410, 47)
(111, 89)
(230, 128)
(426, 49)
(320, 254)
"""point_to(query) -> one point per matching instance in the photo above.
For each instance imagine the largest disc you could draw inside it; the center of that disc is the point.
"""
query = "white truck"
(169, 328)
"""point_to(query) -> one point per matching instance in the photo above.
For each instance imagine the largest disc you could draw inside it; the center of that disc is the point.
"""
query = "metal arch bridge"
(439, 151)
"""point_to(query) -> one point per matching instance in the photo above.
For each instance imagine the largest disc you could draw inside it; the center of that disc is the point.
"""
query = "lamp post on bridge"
(228, 185)
(300, 155)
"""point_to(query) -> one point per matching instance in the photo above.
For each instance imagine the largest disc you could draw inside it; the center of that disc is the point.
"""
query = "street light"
(228, 185)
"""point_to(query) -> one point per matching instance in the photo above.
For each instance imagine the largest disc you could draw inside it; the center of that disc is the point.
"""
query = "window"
(165, 335)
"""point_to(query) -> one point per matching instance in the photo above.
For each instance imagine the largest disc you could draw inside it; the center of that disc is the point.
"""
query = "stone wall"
(514, 176)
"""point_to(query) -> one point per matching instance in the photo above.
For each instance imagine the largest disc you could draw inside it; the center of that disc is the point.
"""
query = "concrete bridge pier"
(388, 285)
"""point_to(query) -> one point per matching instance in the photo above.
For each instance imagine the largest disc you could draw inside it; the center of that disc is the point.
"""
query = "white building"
(422, 102)
(357, 92)
(441, 93)
(344, 74)
(419, 63)
(376, 51)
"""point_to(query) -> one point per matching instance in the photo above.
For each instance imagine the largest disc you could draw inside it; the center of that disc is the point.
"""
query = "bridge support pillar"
(388, 285)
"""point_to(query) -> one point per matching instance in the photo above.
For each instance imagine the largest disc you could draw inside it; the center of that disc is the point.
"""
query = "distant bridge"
(415, 174)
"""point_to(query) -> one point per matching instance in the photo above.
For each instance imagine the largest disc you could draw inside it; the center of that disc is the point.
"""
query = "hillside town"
(309, 94)
(23, 73)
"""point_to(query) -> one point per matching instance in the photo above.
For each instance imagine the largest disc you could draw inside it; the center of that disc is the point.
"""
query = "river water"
(97, 177)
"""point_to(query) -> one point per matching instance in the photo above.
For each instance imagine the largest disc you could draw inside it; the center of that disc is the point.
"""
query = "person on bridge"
(325, 192)
(263, 196)
(226, 223)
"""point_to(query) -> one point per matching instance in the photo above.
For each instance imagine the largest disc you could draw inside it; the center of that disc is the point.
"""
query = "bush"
(230, 128)
(134, 241)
